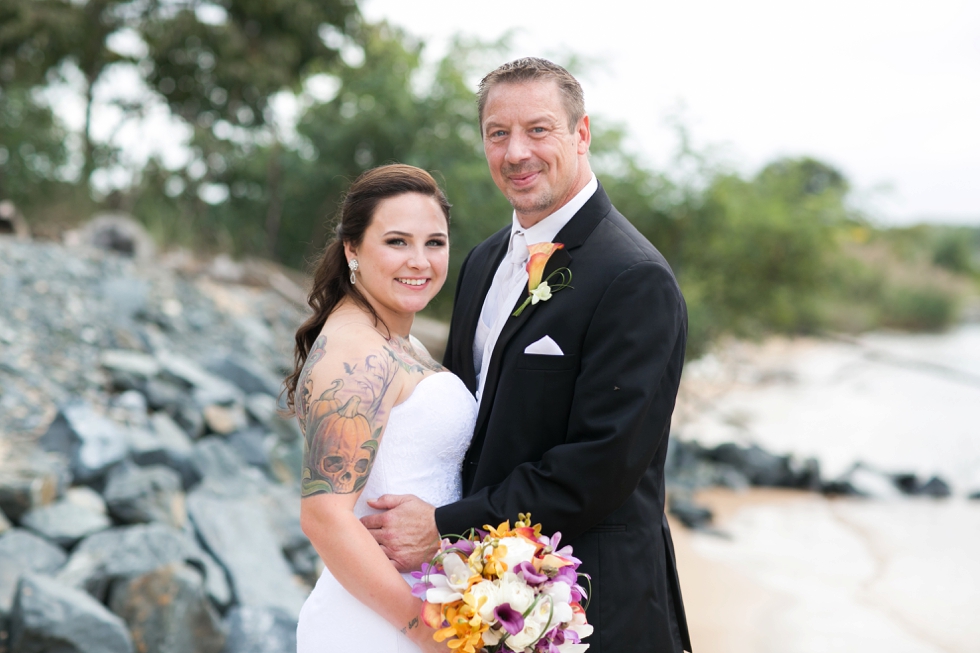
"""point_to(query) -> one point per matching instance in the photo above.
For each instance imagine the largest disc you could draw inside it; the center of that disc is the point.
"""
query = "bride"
(379, 415)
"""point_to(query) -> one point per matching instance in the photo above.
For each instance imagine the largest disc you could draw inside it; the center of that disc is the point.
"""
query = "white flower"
(489, 590)
(515, 591)
(441, 592)
(518, 550)
(561, 596)
(580, 626)
(457, 572)
(542, 293)
(449, 588)
(533, 629)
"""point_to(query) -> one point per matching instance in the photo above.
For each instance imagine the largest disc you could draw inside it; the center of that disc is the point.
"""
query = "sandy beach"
(794, 572)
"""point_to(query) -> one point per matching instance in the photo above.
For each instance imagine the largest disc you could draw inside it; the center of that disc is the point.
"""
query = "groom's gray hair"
(532, 69)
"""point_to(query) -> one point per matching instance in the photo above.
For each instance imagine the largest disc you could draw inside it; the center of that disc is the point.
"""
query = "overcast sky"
(888, 91)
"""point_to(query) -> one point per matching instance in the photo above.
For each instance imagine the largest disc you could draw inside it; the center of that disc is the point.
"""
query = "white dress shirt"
(510, 279)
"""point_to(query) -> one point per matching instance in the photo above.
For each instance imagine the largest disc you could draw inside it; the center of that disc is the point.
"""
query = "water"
(896, 401)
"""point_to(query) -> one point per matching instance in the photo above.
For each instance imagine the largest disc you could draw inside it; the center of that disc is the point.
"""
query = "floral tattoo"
(343, 425)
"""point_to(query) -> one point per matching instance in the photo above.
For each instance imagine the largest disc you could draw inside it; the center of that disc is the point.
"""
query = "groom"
(576, 392)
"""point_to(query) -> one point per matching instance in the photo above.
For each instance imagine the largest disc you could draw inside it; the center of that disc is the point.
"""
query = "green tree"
(218, 65)
(38, 37)
(32, 149)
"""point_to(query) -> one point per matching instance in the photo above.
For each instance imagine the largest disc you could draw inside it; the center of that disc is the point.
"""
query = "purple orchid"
(511, 620)
(530, 576)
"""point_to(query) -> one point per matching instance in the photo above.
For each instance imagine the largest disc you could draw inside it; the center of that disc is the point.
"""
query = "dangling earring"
(352, 264)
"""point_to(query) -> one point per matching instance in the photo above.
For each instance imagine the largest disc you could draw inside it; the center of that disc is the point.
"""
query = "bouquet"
(505, 589)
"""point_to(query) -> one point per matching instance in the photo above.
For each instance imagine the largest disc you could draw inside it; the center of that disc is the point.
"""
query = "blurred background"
(170, 168)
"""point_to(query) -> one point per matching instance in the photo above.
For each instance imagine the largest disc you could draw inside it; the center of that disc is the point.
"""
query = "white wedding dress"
(421, 453)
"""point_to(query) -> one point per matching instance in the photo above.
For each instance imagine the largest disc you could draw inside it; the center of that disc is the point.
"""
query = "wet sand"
(798, 573)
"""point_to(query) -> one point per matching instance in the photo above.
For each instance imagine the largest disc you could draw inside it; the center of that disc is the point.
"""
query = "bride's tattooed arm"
(344, 424)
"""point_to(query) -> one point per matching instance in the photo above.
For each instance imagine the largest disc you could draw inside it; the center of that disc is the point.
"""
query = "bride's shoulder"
(344, 346)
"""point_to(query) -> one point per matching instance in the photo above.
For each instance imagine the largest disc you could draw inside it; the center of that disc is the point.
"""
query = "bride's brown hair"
(331, 280)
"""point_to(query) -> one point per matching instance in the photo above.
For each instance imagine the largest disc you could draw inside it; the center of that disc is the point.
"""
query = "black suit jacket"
(579, 440)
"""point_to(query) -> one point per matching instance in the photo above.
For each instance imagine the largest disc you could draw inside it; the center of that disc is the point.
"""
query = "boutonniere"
(541, 290)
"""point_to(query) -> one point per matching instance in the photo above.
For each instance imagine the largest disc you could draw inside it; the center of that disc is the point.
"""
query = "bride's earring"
(352, 264)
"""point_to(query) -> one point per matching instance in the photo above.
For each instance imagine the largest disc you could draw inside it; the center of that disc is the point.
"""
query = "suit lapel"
(474, 308)
(559, 259)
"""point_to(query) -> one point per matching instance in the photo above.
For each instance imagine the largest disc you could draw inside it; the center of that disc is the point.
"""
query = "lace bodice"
(422, 449)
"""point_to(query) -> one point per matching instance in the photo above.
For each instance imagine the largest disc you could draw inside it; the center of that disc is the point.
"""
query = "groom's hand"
(406, 530)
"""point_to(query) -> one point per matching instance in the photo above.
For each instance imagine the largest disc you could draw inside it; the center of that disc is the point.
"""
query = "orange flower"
(465, 626)
(540, 253)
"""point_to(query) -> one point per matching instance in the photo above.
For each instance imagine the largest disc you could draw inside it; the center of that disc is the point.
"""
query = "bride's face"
(403, 259)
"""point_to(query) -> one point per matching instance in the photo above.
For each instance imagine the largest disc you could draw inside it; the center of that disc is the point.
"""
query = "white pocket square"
(544, 347)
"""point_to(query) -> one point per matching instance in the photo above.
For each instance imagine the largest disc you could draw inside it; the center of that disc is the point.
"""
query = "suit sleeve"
(624, 395)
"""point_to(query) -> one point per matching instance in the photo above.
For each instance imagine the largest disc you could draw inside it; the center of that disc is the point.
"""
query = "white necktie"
(508, 284)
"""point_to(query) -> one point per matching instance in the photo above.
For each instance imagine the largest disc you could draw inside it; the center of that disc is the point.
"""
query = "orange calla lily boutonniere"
(541, 290)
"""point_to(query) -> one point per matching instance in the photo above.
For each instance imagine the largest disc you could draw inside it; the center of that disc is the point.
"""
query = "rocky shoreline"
(148, 477)
(148, 483)
(691, 467)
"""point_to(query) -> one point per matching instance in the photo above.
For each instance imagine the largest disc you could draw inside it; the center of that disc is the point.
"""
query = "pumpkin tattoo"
(343, 426)
(341, 453)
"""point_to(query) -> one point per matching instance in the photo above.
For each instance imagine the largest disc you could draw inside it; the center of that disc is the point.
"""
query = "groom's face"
(537, 159)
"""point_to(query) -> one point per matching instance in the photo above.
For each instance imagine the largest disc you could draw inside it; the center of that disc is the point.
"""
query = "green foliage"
(776, 251)
(32, 149)
(228, 69)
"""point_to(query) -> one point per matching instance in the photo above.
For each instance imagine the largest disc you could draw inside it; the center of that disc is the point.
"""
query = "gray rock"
(144, 494)
(266, 412)
(935, 487)
(282, 506)
(132, 363)
(247, 375)
(218, 462)
(260, 630)
(306, 563)
(225, 419)
(126, 295)
(172, 437)
(64, 522)
(690, 513)
(237, 531)
(130, 408)
(31, 478)
(91, 442)
(252, 445)
(125, 552)
(207, 388)
(12, 221)
(49, 617)
(868, 482)
(286, 461)
(975, 495)
(168, 611)
(87, 499)
(761, 467)
(166, 395)
(119, 233)
(24, 552)
(168, 445)
(5, 524)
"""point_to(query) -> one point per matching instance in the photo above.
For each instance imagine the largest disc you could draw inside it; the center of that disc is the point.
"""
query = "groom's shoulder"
(623, 243)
